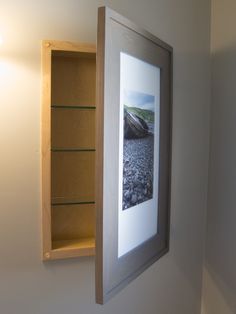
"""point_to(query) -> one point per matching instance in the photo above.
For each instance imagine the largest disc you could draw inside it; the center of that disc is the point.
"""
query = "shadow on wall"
(219, 293)
(216, 295)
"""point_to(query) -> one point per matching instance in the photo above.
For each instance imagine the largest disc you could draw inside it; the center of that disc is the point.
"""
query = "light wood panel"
(72, 248)
(46, 148)
(73, 81)
(73, 128)
(68, 79)
(73, 176)
(82, 243)
(58, 47)
(73, 221)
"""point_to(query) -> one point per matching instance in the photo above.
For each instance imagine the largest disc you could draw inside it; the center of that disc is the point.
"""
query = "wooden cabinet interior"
(68, 149)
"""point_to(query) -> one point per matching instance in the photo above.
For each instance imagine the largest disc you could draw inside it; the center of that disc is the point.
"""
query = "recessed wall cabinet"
(118, 179)
(68, 149)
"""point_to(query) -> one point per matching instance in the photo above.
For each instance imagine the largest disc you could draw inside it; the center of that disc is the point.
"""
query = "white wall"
(170, 286)
(219, 294)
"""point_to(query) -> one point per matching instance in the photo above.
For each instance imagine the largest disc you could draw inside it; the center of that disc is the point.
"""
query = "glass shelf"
(63, 201)
(73, 107)
(73, 150)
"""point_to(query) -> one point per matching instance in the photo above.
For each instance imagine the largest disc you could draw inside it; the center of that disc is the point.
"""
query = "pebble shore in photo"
(138, 155)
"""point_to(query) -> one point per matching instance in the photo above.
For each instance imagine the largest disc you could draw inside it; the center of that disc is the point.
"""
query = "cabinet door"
(133, 145)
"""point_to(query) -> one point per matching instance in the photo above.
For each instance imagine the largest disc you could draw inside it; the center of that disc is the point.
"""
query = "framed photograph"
(138, 151)
(134, 97)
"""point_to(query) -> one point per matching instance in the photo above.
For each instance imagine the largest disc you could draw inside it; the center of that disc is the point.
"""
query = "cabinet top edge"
(68, 46)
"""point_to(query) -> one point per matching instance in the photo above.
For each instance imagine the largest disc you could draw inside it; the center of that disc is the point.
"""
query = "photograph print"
(138, 147)
(139, 132)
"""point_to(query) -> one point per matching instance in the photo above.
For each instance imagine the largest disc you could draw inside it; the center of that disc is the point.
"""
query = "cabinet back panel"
(73, 222)
(73, 128)
(73, 176)
(73, 80)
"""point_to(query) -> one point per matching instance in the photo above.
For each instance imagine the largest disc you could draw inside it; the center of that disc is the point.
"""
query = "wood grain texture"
(67, 46)
(73, 244)
(72, 248)
(46, 148)
(73, 222)
(73, 175)
(73, 80)
(73, 128)
(68, 68)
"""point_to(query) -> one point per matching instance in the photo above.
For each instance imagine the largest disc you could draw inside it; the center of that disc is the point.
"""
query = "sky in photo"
(139, 100)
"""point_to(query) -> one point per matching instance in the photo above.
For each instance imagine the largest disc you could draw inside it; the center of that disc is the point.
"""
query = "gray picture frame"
(116, 34)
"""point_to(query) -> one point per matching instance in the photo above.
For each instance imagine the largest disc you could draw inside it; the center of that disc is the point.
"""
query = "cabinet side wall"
(46, 148)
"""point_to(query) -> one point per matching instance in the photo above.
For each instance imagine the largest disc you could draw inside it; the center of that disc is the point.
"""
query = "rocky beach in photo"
(138, 148)
(138, 156)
